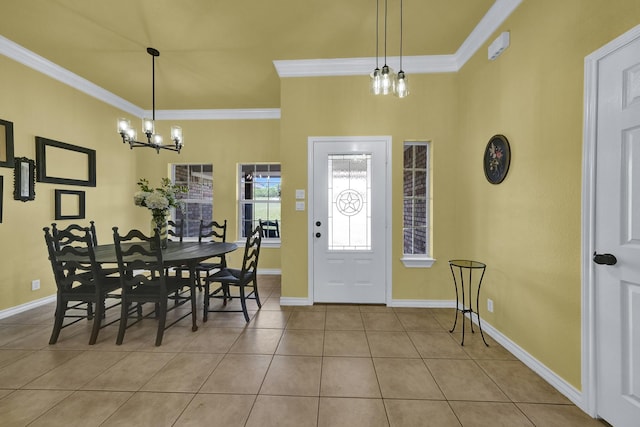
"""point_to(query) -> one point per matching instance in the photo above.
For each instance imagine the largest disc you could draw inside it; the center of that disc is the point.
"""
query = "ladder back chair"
(245, 277)
(143, 280)
(80, 281)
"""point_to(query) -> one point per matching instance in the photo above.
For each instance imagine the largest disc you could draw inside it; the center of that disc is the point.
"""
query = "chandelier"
(129, 134)
(385, 81)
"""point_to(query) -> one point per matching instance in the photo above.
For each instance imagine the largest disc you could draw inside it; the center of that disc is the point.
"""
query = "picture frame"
(66, 200)
(497, 159)
(51, 154)
(24, 179)
(6, 144)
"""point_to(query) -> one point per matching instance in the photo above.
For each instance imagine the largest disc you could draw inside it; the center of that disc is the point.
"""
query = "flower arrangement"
(160, 199)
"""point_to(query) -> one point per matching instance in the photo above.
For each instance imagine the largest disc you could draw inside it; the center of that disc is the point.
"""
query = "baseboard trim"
(295, 301)
(27, 306)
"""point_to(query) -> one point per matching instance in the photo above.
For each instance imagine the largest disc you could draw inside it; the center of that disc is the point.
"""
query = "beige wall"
(528, 228)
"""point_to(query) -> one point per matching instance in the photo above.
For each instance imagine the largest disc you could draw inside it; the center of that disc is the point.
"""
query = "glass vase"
(160, 223)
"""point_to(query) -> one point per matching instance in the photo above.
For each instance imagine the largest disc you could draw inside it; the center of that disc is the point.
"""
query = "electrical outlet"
(35, 285)
(490, 305)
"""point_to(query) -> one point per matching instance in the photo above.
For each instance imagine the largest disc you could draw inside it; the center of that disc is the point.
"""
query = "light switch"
(299, 194)
(299, 206)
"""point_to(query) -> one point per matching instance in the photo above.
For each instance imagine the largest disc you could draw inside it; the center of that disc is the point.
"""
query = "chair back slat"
(270, 228)
(139, 259)
(252, 252)
(176, 230)
(72, 257)
(213, 231)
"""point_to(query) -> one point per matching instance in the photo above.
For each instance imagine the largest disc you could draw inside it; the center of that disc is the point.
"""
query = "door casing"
(310, 213)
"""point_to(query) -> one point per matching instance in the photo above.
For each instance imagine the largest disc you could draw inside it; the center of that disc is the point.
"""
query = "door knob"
(318, 234)
(318, 223)
(604, 259)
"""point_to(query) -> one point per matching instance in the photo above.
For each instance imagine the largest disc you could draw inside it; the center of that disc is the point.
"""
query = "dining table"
(176, 254)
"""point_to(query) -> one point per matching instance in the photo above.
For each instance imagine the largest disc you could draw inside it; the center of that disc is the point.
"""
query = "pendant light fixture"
(401, 86)
(154, 140)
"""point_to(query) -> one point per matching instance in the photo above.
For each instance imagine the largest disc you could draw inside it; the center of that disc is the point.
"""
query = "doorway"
(349, 217)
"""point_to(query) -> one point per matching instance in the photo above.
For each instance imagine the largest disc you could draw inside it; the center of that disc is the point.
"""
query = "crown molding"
(26, 57)
(228, 114)
(427, 64)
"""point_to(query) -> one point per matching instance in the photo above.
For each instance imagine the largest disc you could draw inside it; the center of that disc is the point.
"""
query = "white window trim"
(417, 261)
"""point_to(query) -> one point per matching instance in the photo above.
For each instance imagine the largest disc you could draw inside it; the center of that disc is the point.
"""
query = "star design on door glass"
(349, 202)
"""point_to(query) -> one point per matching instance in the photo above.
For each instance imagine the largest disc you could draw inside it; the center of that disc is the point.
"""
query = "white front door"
(348, 218)
(617, 232)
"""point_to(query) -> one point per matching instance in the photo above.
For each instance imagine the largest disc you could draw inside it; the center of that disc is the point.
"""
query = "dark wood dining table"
(176, 254)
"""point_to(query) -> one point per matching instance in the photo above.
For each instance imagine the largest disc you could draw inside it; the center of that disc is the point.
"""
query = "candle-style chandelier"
(129, 134)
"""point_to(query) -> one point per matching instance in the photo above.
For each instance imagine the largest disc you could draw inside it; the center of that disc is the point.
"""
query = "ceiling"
(217, 54)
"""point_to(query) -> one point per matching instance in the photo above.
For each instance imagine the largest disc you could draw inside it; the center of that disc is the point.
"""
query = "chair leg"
(124, 314)
(205, 313)
(255, 291)
(243, 302)
(89, 310)
(161, 321)
(97, 320)
(61, 308)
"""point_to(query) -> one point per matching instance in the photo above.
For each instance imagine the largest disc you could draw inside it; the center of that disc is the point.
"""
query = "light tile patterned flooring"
(325, 365)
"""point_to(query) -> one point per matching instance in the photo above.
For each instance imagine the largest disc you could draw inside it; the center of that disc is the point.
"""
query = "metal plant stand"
(466, 268)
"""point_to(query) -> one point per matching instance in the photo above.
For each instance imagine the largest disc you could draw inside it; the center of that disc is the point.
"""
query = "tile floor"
(326, 365)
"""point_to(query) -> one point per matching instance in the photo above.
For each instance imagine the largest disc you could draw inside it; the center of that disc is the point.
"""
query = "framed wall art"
(6, 144)
(62, 163)
(70, 204)
(24, 177)
(497, 158)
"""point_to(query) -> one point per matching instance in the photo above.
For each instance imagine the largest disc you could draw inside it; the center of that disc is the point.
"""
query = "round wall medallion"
(497, 157)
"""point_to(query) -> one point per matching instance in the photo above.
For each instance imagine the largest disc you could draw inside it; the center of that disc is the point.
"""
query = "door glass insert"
(349, 196)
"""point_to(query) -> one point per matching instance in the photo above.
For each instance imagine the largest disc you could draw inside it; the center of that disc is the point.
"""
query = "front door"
(348, 219)
(617, 232)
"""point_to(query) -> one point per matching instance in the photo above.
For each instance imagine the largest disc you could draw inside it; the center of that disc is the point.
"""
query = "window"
(198, 202)
(260, 199)
(415, 229)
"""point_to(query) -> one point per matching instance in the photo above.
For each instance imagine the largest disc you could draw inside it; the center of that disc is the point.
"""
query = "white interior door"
(348, 219)
(617, 232)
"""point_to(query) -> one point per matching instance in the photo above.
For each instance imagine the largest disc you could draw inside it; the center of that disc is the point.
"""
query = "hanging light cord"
(377, 30)
(400, 35)
(385, 32)
(153, 87)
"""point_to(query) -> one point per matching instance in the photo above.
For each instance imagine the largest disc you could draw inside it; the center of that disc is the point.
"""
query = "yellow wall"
(526, 229)
(342, 106)
(40, 106)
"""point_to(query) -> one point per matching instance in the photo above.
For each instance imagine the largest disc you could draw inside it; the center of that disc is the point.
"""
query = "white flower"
(157, 200)
(139, 197)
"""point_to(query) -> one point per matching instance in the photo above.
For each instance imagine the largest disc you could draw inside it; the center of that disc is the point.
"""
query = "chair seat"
(109, 284)
(151, 289)
(228, 275)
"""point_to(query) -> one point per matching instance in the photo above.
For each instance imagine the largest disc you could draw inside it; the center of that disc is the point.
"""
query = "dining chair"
(270, 228)
(143, 280)
(77, 228)
(212, 231)
(176, 230)
(80, 281)
(245, 277)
